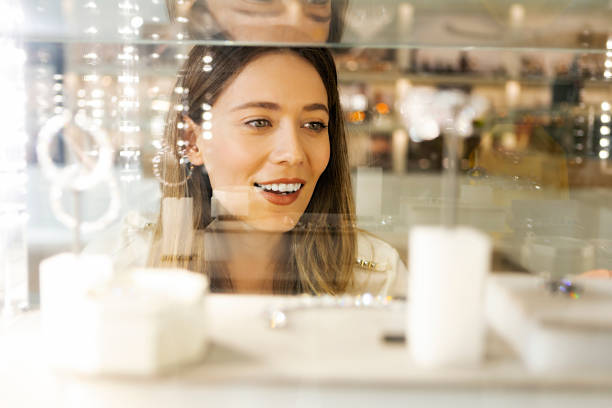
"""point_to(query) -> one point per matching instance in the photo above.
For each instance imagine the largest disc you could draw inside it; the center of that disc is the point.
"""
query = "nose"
(294, 13)
(288, 149)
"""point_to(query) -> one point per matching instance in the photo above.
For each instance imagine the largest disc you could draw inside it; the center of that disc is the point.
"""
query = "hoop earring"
(165, 153)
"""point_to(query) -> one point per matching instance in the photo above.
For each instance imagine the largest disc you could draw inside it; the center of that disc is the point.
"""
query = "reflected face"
(268, 141)
(273, 20)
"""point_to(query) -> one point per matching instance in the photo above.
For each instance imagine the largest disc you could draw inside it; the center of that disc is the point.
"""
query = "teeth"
(280, 187)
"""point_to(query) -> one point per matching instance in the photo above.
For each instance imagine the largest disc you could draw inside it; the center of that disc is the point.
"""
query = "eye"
(315, 126)
(258, 123)
(320, 19)
(317, 2)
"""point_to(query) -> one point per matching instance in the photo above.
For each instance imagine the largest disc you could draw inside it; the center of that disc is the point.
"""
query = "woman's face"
(267, 141)
(273, 20)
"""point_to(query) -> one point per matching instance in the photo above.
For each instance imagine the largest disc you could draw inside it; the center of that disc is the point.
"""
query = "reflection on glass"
(270, 196)
(261, 20)
(557, 257)
(521, 155)
(367, 19)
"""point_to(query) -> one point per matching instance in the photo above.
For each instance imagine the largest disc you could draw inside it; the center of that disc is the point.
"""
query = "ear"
(191, 133)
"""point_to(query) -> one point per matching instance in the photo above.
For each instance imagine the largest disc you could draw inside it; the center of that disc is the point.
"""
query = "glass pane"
(218, 126)
(577, 25)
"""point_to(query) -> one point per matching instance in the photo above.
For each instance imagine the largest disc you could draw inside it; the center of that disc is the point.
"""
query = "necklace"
(277, 315)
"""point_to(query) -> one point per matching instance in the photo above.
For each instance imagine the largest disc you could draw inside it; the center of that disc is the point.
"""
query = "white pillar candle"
(447, 272)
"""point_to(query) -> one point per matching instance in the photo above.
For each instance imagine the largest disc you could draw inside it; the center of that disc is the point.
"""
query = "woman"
(270, 192)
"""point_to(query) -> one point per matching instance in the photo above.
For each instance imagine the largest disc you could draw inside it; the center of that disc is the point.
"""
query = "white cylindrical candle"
(447, 272)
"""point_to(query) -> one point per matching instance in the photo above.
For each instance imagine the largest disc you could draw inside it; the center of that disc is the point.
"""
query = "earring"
(183, 147)
(163, 155)
(166, 153)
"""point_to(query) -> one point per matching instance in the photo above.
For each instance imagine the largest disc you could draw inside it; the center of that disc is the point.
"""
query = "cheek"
(319, 32)
(228, 162)
(320, 157)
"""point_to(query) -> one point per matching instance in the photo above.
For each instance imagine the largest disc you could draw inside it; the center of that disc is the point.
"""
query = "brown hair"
(319, 253)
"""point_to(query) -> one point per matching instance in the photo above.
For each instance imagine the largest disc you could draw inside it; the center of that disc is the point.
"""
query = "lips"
(280, 191)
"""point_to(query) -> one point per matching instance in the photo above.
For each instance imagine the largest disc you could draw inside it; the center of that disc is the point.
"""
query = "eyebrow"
(274, 106)
(316, 106)
(259, 13)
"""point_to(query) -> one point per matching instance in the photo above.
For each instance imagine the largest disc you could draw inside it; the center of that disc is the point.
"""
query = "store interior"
(492, 114)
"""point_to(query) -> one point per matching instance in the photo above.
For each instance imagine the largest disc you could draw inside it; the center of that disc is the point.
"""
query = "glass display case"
(124, 141)
(534, 161)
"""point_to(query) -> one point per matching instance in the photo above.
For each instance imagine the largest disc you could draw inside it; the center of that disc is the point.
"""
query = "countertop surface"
(320, 354)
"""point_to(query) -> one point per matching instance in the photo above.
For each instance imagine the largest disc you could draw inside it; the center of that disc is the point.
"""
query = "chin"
(278, 223)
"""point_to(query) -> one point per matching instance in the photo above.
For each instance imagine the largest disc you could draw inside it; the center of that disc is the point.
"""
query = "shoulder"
(378, 267)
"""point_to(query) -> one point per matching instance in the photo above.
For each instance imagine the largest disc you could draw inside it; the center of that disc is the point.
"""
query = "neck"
(253, 259)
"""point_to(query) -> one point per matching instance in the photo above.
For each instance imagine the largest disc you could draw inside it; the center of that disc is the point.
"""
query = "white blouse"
(378, 268)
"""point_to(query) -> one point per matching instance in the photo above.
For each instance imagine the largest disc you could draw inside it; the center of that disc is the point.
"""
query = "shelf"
(385, 77)
(563, 26)
(460, 78)
(110, 40)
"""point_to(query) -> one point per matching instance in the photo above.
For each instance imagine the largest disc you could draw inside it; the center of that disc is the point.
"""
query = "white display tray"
(323, 357)
(553, 331)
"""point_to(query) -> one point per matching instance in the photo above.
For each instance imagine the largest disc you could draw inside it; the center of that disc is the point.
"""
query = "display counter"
(322, 357)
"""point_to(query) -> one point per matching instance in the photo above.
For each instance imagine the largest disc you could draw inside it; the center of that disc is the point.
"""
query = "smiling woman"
(269, 137)
(270, 192)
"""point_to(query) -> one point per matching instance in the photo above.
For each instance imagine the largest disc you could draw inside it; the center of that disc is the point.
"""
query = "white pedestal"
(139, 323)
(447, 273)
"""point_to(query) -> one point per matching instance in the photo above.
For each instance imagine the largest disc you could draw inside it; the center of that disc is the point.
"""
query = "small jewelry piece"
(276, 316)
(395, 337)
(371, 265)
(366, 264)
(179, 258)
(564, 286)
(477, 173)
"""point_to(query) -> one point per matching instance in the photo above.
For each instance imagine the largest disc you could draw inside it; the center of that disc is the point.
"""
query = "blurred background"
(526, 87)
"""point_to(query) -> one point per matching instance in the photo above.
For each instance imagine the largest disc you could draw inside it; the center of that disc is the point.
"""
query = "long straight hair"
(316, 256)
